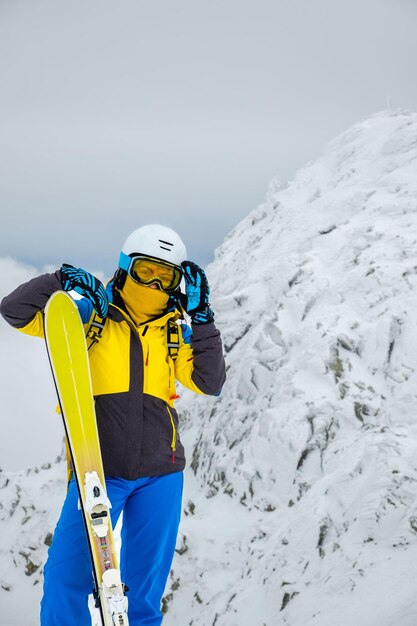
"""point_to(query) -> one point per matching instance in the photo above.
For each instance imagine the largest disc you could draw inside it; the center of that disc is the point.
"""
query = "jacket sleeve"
(23, 308)
(200, 364)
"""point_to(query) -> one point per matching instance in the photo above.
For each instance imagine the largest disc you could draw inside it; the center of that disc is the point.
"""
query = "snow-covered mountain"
(305, 483)
(30, 502)
(300, 502)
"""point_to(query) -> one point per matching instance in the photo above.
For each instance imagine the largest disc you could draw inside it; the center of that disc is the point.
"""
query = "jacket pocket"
(174, 433)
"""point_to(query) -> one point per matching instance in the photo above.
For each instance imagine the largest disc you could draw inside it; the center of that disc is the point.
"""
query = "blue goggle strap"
(124, 261)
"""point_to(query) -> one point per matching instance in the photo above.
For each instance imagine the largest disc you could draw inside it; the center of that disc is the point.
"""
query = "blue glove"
(197, 291)
(87, 285)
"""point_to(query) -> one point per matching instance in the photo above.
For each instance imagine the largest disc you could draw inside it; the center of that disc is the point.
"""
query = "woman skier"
(139, 351)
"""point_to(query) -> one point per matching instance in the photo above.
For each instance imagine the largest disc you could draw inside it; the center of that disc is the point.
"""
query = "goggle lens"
(147, 271)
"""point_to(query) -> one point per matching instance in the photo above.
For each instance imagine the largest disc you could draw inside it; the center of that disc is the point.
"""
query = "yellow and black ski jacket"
(133, 379)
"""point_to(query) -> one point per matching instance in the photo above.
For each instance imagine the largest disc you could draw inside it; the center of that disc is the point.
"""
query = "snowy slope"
(300, 501)
(30, 502)
(306, 468)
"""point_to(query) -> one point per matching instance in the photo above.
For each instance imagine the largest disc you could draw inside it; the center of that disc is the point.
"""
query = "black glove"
(87, 285)
(197, 291)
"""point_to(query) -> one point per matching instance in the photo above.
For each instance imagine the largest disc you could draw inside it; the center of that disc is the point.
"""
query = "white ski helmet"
(156, 241)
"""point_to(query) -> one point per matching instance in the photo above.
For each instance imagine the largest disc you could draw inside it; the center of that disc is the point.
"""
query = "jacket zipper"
(174, 435)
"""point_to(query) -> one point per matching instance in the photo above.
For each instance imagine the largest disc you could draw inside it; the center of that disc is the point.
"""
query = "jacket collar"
(118, 315)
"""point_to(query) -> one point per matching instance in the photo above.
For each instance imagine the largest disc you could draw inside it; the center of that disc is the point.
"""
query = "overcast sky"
(120, 113)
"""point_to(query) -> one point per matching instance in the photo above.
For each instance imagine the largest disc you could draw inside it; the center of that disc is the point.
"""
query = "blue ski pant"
(151, 515)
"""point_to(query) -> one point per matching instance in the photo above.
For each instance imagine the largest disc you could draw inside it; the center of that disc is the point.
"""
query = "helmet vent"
(167, 243)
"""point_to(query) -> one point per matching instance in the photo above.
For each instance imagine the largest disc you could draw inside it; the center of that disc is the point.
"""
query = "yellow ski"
(67, 350)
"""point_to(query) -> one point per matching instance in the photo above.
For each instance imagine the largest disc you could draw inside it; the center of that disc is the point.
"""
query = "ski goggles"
(146, 270)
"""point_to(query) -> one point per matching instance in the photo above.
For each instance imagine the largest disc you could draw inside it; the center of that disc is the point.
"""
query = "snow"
(313, 442)
(300, 498)
(30, 502)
